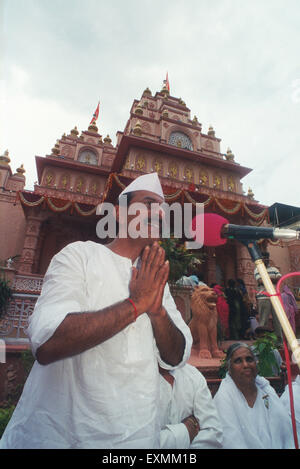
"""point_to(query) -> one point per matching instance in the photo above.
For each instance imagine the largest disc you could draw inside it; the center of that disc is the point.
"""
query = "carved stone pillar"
(211, 265)
(294, 251)
(30, 244)
(245, 270)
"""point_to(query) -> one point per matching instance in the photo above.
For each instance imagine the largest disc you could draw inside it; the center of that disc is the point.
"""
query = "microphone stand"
(274, 298)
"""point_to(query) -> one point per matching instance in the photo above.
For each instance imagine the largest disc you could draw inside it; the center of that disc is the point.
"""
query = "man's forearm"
(81, 331)
(169, 339)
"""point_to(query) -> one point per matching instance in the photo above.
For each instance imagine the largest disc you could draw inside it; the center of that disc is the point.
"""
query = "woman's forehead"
(242, 352)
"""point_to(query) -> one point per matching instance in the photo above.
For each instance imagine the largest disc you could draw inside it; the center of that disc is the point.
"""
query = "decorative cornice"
(66, 163)
(128, 141)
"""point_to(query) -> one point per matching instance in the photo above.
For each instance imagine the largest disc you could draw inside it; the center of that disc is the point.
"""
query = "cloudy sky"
(234, 62)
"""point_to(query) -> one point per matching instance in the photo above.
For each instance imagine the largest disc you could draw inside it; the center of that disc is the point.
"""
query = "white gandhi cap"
(146, 182)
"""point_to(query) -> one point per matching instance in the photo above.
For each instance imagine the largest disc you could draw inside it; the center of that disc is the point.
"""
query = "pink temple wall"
(12, 223)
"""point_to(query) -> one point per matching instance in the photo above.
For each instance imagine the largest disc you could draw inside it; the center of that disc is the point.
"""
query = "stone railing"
(26, 290)
(15, 321)
(27, 284)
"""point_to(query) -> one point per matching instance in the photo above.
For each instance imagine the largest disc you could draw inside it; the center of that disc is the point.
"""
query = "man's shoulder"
(82, 246)
(80, 250)
(192, 372)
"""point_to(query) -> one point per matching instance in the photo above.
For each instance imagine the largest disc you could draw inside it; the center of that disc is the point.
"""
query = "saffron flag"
(166, 81)
(96, 114)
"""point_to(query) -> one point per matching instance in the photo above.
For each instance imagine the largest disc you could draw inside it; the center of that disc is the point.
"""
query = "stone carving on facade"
(33, 225)
(79, 185)
(189, 174)
(107, 159)
(93, 188)
(30, 242)
(173, 170)
(140, 163)
(158, 167)
(65, 181)
(67, 151)
(208, 145)
(146, 127)
(49, 179)
(295, 262)
(203, 178)
(230, 184)
(218, 184)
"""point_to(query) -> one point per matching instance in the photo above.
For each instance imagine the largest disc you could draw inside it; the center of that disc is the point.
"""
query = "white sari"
(264, 426)
(285, 399)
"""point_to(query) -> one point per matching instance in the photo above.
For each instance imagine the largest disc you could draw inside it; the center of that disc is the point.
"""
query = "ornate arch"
(88, 155)
(182, 130)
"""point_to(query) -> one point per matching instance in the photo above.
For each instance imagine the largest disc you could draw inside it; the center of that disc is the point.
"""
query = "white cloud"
(31, 125)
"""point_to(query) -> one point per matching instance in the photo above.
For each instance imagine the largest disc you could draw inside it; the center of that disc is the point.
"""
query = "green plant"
(11, 399)
(5, 295)
(263, 348)
(5, 415)
(223, 368)
(181, 260)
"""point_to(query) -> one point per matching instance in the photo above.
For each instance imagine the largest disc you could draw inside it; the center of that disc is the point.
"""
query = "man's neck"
(127, 247)
(166, 375)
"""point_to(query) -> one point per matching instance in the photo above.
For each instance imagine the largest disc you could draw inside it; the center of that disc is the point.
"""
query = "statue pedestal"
(209, 368)
(203, 363)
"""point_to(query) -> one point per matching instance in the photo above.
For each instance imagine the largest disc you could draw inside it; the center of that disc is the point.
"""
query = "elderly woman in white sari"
(251, 413)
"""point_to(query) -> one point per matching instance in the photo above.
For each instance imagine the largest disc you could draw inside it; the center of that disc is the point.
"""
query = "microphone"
(217, 229)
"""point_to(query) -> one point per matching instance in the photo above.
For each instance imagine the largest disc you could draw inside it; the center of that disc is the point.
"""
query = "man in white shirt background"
(189, 418)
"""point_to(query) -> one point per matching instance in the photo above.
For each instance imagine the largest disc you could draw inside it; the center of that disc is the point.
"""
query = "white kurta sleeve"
(210, 434)
(63, 292)
(175, 437)
(175, 315)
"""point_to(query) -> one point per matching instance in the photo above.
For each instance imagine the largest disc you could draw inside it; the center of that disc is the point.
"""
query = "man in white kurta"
(107, 395)
(189, 395)
(266, 425)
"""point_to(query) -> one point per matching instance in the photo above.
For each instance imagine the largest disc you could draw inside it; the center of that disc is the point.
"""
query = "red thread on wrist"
(135, 310)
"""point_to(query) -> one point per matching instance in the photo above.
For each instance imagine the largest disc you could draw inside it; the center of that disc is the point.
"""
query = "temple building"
(85, 169)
